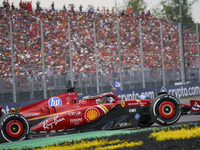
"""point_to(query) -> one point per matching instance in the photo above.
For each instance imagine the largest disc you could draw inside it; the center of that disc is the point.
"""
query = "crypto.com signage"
(179, 91)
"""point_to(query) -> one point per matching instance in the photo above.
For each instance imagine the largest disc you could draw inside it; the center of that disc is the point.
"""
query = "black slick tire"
(165, 109)
(13, 127)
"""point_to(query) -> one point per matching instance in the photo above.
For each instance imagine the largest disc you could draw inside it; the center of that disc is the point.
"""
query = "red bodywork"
(64, 111)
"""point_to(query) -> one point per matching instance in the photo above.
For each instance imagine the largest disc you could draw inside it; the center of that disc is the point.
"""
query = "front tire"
(165, 109)
(14, 127)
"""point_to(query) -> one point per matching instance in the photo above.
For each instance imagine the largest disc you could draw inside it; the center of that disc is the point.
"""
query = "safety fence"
(32, 87)
(93, 50)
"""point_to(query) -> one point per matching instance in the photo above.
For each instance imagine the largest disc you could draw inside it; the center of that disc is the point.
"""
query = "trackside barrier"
(179, 91)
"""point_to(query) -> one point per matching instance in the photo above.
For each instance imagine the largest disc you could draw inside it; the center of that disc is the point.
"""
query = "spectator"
(113, 11)
(8, 6)
(29, 6)
(149, 13)
(27, 41)
(107, 10)
(103, 10)
(26, 6)
(12, 6)
(98, 10)
(81, 8)
(69, 8)
(23, 82)
(72, 8)
(64, 8)
(20, 5)
(6, 82)
(92, 9)
(88, 9)
(52, 6)
(38, 6)
(4, 4)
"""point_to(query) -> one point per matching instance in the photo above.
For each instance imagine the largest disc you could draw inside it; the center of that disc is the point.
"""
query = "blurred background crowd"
(27, 41)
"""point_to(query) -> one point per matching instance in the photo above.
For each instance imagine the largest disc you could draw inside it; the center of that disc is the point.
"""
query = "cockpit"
(100, 99)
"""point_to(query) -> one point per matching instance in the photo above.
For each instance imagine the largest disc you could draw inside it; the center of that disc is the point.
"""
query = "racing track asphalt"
(37, 142)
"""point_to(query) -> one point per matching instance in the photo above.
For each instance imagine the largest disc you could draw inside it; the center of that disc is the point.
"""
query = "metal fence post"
(55, 84)
(183, 77)
(163, 67)
(13, 66)
(142, 59)
(119, 49)
(43, 63)
(95, 47)
(198, 48)
(70, 53)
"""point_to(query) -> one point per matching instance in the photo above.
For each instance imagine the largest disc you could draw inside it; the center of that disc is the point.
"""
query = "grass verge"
(173, 138)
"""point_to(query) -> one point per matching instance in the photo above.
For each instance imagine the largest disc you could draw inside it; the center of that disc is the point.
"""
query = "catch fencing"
(39, 57)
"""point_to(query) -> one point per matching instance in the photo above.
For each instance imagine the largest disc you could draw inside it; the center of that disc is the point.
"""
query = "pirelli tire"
(13, 127)
(165, 109)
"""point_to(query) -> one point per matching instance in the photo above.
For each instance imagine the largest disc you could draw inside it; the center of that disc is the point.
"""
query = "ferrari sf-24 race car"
(65, 113)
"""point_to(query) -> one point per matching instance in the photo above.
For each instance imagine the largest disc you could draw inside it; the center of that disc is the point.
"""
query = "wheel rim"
(167, 109)
(14, 128)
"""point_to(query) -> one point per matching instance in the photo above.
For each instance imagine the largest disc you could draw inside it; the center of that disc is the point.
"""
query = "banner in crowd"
(179, 91)
(118, 86)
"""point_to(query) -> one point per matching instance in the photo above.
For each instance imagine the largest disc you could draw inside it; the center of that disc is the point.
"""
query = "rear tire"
(165, 109)
(14, 127)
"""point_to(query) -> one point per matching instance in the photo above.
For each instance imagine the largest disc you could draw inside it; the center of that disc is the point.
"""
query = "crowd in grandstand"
(27, 40)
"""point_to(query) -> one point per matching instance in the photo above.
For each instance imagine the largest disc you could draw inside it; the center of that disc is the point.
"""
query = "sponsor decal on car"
(103, 108)
(68, 99)
(196, 106)
(76, 121)
(91, 114)
(31, 115)
(47, 125)
(124, 124)
(122, 104)
(17, 110)
(137, 116)
(55, 101)
(76, 106)
(72, 93)
(132, 110)
(141, 103)
(83, 102)
(135, 104)
(75, 113)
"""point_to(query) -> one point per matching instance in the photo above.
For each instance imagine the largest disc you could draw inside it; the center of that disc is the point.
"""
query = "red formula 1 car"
(64, 113)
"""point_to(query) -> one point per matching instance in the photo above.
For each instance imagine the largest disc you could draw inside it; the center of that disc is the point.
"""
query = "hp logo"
(55, 101)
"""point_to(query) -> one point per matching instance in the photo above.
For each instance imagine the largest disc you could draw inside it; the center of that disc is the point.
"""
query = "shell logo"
(91, 114)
